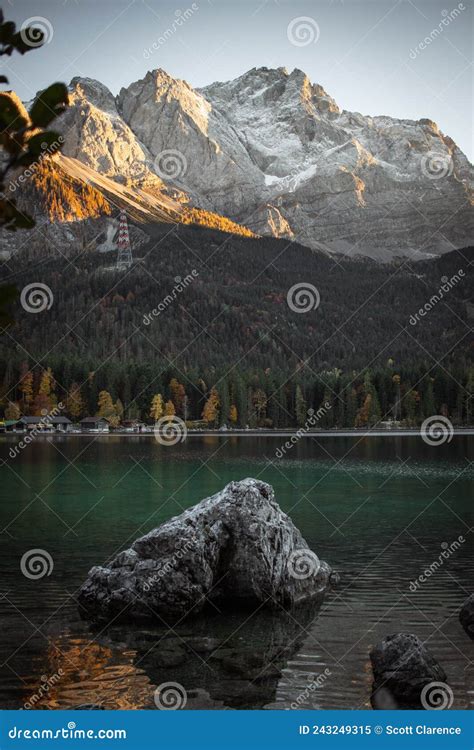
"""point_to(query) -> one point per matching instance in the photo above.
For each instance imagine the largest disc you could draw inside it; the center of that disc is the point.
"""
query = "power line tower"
(124, 255)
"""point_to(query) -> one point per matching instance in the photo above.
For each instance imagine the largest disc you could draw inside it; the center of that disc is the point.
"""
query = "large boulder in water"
(236, 547)
(466, 616)
(402, 667)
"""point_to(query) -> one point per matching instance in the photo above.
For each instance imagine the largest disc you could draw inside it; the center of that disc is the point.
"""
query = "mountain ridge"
(273, 152)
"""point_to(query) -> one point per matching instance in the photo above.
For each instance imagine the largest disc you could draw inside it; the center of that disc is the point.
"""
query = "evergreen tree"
(301, 407)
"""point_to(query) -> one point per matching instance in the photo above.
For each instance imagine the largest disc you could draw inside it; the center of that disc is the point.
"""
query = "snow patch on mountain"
(275, 152)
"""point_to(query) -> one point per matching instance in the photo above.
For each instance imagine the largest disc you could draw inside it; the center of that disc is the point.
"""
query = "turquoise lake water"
(379, 510)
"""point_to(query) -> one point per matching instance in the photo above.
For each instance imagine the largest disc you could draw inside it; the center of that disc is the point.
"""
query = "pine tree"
(119, 410)
(240, 399)
(410, 404)
(259, 404)
(26, 388)
(224, 402)
(350, 407)
(301, 407)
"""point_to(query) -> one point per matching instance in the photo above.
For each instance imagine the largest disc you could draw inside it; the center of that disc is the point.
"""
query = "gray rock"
(161, 657)
(203, 644)
(236, 548)
(402, 666)
(466, 616)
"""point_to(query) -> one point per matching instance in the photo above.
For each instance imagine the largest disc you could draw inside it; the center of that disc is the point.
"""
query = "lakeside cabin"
(134, 425)
(45, 424)
(94, 424)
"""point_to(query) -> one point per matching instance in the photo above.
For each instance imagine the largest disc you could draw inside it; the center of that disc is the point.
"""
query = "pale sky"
(366, 53)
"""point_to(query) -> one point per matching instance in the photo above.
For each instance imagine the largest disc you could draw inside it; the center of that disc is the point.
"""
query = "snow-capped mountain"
(274, 152)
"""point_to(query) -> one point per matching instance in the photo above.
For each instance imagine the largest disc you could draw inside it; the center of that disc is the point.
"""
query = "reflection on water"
(378, 511)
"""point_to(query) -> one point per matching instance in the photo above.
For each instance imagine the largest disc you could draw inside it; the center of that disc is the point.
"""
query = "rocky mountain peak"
(93, 92)
(274, 152)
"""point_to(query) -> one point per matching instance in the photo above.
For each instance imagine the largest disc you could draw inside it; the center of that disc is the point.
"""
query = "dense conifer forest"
(200, 327)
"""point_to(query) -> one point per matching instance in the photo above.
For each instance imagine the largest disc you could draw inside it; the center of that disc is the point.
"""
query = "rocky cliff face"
(274, 152)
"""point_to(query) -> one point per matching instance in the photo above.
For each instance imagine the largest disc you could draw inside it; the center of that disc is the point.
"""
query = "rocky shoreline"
(236, 557)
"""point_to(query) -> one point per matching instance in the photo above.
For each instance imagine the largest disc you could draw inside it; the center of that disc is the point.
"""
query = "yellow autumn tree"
(170, 411)
(156, 409)
(178, 395)
(107, 410)
(45, 399)
(211, 408)
(233, 414)
(12, 411)
(75, 405)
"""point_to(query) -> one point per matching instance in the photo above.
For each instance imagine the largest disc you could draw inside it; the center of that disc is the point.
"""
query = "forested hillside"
(202, 320)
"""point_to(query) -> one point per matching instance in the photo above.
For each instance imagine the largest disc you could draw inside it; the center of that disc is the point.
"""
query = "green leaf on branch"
(11, 117)
(49, 104)
(44, 143)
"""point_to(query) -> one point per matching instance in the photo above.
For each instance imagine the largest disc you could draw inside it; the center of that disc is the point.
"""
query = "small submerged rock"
(237, 548)
(402, 667)
(466, 616)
